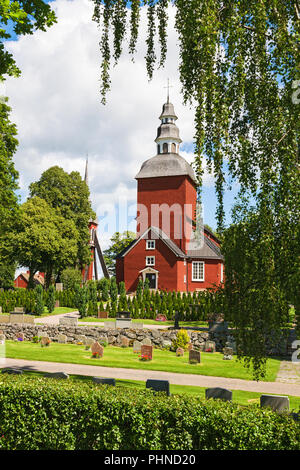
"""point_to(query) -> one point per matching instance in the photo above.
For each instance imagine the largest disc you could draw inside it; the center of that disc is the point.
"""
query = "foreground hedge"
(39, 413)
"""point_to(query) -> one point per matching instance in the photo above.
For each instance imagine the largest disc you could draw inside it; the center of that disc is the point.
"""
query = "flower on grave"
(95, 355)
(208, 350)
(20, 339)
(145, 357)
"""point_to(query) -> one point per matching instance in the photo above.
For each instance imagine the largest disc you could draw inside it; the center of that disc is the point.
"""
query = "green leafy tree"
(68, 194)
(239, 65)
(118, 242)
(8, 198)
(21, 17)
(71, 277)
(42, 239)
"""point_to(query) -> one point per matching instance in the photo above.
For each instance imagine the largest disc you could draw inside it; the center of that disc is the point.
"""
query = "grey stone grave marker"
(159, 385)
(194, 356)
(104, 381)
(218, 392)
(276, 402)
(57, 375)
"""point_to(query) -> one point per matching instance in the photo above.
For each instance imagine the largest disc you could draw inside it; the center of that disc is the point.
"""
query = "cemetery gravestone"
(102, 315)
(147, 352)
(104, 381)
(194, 356)
(159, 385)
(4, 318)
(18, 310)
(228, 352)
(89, 342)
(276, 402)
(210, 346)
(45, 341)
(124, 342)
(10, 370)
(28, 319)
(97, 349)
(57, 375)
(219, 393)
(20, 336)
(179, 352)
(146, 342)
(62, 339)
(81, 339)
(68, 321)
(137, 346)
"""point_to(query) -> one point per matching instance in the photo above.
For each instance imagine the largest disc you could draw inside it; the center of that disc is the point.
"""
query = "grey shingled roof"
(166, 164)
(208, 251)
(168, 131)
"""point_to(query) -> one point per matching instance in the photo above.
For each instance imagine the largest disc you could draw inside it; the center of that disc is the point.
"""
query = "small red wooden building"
(23, 278)
(171, 249)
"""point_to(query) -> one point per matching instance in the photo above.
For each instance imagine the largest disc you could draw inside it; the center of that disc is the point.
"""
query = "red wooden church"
(173, 253)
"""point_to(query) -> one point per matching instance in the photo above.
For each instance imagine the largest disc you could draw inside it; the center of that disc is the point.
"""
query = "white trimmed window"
(222, 272)
(198, 271)
(150, 244)
(150, 260)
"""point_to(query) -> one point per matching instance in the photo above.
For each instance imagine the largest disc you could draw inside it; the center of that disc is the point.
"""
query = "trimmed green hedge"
(38, 413)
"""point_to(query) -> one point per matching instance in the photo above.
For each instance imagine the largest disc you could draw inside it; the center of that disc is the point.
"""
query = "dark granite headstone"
(159, 385)
(104, 381)
(194, 356)
(57, 375)
(10, 370)
(276, 402)
(218, 392)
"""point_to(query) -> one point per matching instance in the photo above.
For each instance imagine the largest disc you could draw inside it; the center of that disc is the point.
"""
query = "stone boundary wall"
(159, 338)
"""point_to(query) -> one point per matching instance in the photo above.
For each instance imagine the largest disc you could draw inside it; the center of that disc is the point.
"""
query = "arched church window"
(173, 148)
(158, 149)
(165, 148)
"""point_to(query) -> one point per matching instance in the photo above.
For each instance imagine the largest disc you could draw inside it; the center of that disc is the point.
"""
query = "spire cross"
(168, 87)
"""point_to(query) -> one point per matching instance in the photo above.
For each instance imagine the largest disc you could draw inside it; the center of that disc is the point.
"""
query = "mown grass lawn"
(163, 360)
(56, 311)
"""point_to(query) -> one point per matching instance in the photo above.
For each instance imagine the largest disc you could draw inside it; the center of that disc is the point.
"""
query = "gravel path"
(143, 375)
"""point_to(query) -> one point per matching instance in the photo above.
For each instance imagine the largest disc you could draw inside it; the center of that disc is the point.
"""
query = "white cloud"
(56, 106)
